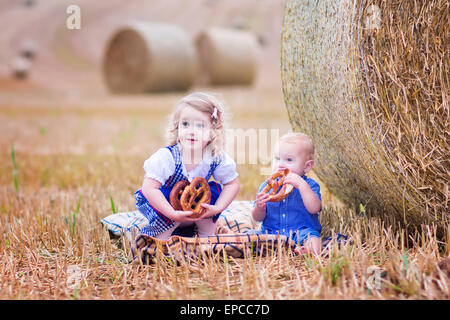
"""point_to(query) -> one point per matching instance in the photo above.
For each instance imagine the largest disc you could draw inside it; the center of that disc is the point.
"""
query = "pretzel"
(274, 183)
(189, 197)
(175, 194)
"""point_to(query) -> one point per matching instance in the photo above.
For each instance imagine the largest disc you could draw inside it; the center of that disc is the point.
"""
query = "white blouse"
(161, 165)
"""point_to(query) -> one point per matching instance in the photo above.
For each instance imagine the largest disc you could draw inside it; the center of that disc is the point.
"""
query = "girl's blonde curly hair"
(203, 102)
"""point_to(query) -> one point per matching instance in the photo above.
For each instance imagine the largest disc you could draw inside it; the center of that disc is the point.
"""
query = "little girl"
(196, 137)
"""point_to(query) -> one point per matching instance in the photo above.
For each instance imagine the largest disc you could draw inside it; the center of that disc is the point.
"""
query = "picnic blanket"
(191, 248)
(230, 236)
(236, 218)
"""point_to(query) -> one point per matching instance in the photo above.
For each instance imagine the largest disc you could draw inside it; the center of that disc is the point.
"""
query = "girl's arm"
(150, 190)
(227, 195)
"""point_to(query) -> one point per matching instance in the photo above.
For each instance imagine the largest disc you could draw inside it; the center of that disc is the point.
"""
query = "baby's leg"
(206, 227)
(312, 245)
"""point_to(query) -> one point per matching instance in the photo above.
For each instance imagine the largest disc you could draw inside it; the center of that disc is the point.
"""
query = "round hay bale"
(20, 67)
(148, 57)
(28, 3)
(227, 56)
(368, 81)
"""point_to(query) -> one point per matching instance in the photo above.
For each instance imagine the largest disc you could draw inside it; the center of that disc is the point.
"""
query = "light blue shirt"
(289, 215)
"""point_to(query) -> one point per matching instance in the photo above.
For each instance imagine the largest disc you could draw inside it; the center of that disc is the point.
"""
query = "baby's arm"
(259, 211)
(227, 195)
(150, 190)
(310, 199)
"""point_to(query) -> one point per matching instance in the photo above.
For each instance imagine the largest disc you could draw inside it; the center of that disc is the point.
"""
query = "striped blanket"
(236, 218)
(191, 248)
(229, 237)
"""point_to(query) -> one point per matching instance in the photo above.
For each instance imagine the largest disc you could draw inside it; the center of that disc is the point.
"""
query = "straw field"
(368, 80)
(75, 164)
(71, 155)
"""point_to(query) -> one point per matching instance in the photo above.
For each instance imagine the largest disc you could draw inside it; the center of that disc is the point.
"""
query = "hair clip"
(214, 114)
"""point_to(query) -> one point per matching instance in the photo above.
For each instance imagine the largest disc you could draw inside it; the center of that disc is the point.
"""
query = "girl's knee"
(206, 227)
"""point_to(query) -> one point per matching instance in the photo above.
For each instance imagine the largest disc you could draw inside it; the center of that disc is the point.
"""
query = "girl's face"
(194, 129)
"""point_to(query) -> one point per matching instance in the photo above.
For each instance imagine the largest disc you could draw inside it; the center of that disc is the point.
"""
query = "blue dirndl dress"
(158, 222)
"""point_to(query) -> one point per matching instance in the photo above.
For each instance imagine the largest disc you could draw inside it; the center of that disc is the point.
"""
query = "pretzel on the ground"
(189, 196)
(275, 182)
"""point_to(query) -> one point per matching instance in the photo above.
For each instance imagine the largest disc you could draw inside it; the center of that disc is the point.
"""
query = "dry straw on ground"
(52, 248)
(53, 245)
(148, 57)
(368, 80)
(227, 56)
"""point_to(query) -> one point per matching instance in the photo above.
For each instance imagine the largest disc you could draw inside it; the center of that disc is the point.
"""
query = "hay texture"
(227, 56)
(368, 81)
(146, 57)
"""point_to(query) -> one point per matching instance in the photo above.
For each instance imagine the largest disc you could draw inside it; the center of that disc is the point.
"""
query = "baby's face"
(194, 129)
(291, 156)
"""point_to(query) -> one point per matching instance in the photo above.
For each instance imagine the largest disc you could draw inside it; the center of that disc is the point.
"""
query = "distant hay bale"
(227, 56)
(28, 3)
(20, 67)
(28, 49)
(368, 81)
(148, 57)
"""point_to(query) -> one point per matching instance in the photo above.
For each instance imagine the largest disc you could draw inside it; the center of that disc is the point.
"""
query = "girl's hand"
(261, 200)
(183, 216)
(211, 210)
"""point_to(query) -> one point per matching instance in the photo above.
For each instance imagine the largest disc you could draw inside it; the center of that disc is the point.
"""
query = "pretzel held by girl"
(187, 196)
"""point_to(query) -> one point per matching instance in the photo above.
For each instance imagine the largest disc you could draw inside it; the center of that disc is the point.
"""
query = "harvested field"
(71, 153)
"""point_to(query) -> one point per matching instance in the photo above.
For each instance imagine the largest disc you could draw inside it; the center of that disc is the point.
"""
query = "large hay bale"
(148, 57)
(368, 80)
(227, 56)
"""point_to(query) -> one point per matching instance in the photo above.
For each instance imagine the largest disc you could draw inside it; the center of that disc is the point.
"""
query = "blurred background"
(68, 62)
(69, 129)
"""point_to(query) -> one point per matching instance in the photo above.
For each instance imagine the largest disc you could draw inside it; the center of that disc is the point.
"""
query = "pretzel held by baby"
(187, 196)
(275, 183)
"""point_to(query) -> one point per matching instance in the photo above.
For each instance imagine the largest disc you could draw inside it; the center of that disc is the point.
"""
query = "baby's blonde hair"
(203, 102)
(300, 139)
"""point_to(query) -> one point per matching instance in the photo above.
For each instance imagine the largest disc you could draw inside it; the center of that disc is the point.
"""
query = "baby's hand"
(293, 179)
(261, 200)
